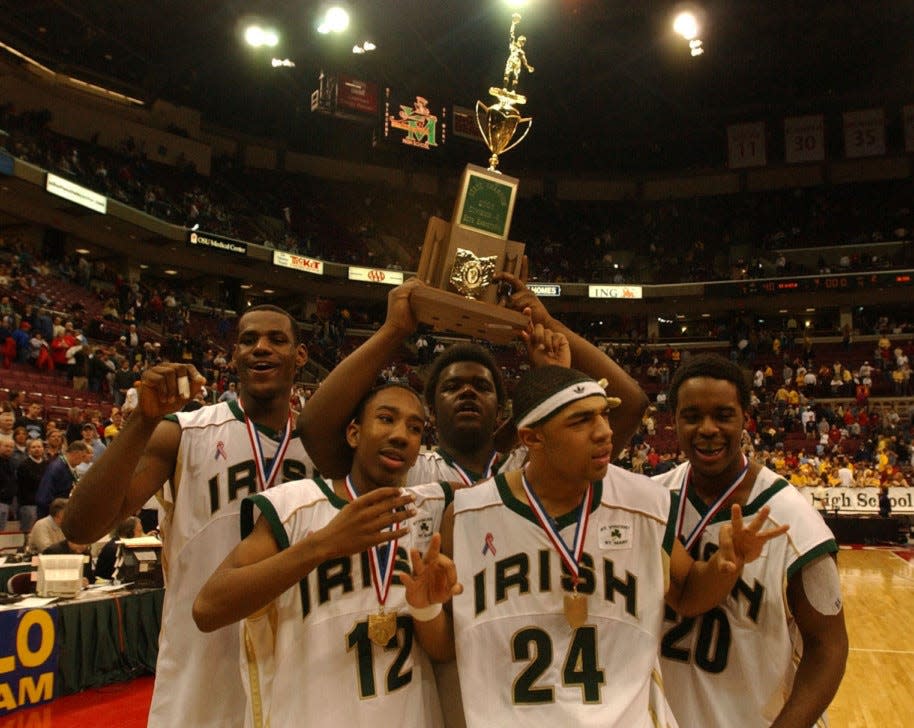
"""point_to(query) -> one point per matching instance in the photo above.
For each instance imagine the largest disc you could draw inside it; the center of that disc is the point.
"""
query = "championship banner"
(217, 242)
(28, 657)
(376, 275)
(908, 112)
(414, 120)
(746, 145)
(804, 139)
(298, 262)
(861, 501)
(864, 133)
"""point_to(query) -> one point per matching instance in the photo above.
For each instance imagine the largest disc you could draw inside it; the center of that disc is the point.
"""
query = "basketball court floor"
(878, 586)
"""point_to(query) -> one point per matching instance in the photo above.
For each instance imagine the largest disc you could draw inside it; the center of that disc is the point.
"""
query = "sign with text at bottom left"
(28, 657)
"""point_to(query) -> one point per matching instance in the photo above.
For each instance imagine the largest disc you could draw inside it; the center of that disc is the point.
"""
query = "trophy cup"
(499, 122)
(460, 258)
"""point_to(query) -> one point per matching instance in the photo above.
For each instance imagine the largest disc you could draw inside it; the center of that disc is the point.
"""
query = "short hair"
(274, 309)
(375, 391)
(712, 366)
(78, 446)
(463, 351)
(57, 505)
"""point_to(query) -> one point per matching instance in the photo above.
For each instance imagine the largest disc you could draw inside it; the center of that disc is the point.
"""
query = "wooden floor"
(879, 608)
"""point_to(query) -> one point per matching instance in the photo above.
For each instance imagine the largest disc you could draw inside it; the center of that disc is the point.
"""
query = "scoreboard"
(814, 284)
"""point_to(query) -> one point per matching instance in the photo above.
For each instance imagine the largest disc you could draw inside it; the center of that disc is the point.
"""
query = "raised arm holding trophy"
(460, 258)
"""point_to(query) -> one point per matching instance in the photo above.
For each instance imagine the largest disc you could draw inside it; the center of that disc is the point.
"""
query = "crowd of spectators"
(745, 235)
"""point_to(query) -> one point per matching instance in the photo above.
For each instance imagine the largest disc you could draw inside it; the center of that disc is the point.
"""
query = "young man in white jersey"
(313, 583)
(201, 464)
(773, 653)
(565, 567)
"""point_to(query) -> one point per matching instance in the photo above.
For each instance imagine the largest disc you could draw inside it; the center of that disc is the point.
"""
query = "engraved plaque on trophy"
(459, 258)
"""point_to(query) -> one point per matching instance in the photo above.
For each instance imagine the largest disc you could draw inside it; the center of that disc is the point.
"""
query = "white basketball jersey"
(735, 664)
(437, 465)
(197, 679)
(307, 659)
(517, 656)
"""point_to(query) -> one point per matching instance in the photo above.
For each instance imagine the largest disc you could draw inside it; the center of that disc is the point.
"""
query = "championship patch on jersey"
(615, 536)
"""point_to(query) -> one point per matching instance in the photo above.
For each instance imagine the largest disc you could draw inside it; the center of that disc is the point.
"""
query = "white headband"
(571, 393)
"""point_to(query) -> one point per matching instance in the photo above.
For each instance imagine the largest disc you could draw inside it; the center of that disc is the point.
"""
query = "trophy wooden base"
(445, 311)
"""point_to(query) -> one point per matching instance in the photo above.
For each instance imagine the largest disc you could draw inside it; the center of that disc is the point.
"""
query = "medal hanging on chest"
(266, 476)
(574, 603)
(713, 509)
(382, 625)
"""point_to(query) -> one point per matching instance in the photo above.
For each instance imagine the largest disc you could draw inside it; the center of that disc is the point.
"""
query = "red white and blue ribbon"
(486, 474)
(266, 475)
(712, 511)
(380, 558)
(570, 556)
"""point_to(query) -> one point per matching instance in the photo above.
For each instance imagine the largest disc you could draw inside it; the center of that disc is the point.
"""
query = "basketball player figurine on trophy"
(460, 258)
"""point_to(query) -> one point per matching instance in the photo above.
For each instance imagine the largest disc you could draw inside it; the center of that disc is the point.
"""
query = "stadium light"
(686, 25)
(257, 37)
(335, 20)
(366, 47)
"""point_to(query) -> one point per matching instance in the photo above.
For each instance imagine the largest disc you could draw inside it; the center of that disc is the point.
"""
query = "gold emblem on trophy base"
(470, 274)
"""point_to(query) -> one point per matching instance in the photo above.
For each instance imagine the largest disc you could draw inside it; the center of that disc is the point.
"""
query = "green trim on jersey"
(448, 492)
(171, 417)
(239, 415)
(501, 459)
(327, 489)
(267, 511)
(750, 509)
(669, 533)
(525, 511)
(826, 547)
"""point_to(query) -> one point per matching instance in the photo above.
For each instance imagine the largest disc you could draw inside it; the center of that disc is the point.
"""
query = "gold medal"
(383, 626)
(575, 610)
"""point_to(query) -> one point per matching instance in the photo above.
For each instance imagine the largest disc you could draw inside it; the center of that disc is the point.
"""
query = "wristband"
(424, 614)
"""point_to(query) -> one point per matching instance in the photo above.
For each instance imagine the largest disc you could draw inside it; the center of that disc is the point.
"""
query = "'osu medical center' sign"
(28, 657)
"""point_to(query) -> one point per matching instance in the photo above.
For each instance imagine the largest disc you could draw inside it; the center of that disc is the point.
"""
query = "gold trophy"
(499, 122)
(460, 258)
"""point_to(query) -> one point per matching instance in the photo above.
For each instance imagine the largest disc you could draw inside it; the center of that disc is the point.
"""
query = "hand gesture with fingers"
(741, 544)
(166, 388)
(434, 577)
(367, 521)
(545, 346)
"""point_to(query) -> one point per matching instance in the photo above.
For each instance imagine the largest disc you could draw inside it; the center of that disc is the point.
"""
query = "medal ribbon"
(487, 473)
(266, 476)
(570, 556)
(381, 558)
(712, 511)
